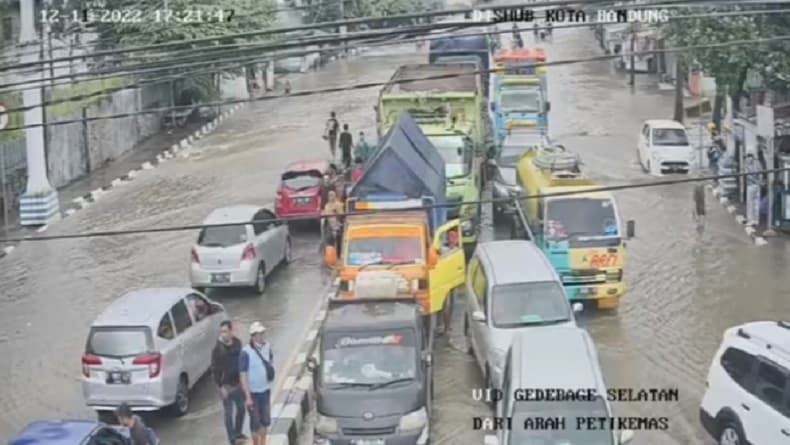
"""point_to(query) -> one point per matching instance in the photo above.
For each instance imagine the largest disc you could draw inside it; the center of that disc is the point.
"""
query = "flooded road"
(682, 289)
(51, 291)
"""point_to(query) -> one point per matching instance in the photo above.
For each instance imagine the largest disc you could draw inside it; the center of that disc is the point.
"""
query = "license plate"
(368, 442)
(220, 278)
(118, 377)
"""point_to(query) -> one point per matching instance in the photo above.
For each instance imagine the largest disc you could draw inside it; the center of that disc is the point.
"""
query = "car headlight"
(466, 225)
(325, 425)
(414, 421)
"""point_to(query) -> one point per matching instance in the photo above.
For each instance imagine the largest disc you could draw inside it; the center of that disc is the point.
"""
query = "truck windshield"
(370, 358)
(521, 101)
(455, 163)
(526, 68)
(570, 435)
(580, 219)
(524, 304)
(385, 250)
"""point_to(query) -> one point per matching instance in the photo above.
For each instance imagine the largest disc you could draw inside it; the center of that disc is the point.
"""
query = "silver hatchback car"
(239, 256)
(148, 349)
(511, 287)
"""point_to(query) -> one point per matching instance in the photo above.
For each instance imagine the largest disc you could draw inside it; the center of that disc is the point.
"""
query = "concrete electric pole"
(39, 204)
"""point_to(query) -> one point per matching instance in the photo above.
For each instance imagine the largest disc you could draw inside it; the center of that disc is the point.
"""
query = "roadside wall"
(77, 149)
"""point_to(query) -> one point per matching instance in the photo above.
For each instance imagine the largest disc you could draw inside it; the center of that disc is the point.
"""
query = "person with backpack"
(139, 433)
(257, 374)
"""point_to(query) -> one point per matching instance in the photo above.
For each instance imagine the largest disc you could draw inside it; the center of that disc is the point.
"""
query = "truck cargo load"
(462, 48)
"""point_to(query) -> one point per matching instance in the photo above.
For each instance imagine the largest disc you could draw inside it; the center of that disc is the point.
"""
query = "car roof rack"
(783, 324)
(774, 347)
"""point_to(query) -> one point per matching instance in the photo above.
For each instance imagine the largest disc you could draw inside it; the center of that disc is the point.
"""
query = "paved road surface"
(50, 292)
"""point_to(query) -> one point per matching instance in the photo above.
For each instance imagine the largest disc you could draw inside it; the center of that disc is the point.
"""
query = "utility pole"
(769, 230)
(632, 80)
(39, 204)
(343, 28)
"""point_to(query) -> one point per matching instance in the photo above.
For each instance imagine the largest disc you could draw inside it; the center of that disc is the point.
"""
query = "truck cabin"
(520, 62)
(521, 95)
(374, 349)
(582, 220)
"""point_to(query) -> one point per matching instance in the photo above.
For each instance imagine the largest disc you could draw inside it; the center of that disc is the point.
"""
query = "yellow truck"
(449, 112)
(580, 230)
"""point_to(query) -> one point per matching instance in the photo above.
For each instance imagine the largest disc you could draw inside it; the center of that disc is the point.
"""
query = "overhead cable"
(346, 22)
(379, 84)
(187, 227)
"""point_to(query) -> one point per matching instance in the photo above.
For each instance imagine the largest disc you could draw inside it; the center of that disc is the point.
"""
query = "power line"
(243, 61)
(205, 58)
(181, 228)
(91, 43)
(379, 84)
(345, 22)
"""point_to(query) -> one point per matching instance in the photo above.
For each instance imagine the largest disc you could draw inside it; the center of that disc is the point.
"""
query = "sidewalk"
(103, 177)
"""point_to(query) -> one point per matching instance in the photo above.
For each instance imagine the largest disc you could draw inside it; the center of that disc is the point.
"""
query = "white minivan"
(148, 349)
(663, 147)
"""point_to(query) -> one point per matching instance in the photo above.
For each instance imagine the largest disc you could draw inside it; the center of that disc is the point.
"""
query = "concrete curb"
(739, 219)
(292, 405)
(84, 201)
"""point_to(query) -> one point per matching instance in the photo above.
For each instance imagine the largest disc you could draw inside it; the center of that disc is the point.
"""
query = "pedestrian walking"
(287, 86)
(139, 433)
(225, 370)
(330, 134)
(752, 190)
(256, 370)
(333, 226)
(346, 143)
(363, 150)
(699, 206)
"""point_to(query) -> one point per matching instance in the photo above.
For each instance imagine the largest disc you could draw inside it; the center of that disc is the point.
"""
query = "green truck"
(449, 113)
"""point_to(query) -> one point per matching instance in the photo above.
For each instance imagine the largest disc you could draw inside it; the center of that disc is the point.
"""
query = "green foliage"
(16, 119)
(730, 64)
(65, 109)
(329, 10)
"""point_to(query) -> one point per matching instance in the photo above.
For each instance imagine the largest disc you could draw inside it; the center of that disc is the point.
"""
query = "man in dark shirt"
(225, 369)
(138, 432)
(330, 134)
(346, 143)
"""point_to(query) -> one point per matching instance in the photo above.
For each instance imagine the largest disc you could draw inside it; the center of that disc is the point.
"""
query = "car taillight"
(195, 257)
(154, 362)
(249, 253)
(89, 360)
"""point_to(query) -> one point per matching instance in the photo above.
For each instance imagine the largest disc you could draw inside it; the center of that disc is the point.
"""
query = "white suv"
(747, 400)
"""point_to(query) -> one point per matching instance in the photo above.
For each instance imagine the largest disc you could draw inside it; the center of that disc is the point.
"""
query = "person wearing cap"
(257, 374)
(139, 433)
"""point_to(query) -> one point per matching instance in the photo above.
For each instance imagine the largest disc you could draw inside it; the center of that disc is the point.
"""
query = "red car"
(302, 189)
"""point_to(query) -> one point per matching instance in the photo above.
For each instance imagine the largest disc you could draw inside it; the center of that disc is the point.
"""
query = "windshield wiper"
(212, 245)
(390, 264)
(391, 382)
(352, 385)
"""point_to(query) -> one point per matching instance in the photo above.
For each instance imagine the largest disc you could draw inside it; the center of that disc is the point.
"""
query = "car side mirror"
(433, 258)
(460, 151)
(626, 436)
(578, 307)
(547, 107)
(630, 228)
(492, 106)
(479, 316)
(215, 309)
(312, 364)
(330, 256)
(427, 358)
(490, 440)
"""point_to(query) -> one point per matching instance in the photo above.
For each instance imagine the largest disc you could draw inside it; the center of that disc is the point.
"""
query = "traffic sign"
(3, 117)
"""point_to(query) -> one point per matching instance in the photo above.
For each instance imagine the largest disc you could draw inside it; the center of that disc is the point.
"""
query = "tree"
(187, 20)
(329, 10)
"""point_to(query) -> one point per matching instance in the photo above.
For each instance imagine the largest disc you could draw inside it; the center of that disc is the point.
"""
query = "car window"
(480, 286)
(451, 240)
(119, 341)
(738, 364)
(259, 227)
(165, 329)
(222, 236)
(266, 214)
(107, 436)
(199, 307)
(181, 317)
(770, 384)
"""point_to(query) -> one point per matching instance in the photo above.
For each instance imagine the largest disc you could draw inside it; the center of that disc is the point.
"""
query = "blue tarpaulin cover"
(405, 163)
